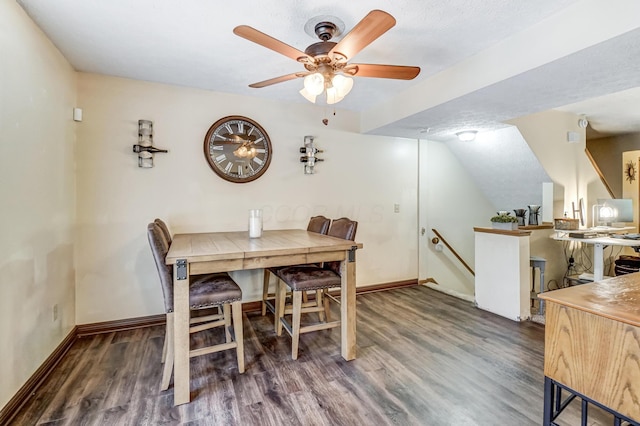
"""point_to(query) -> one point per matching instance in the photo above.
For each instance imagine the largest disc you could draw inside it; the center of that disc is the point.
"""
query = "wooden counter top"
(515, 233)
(615, 298)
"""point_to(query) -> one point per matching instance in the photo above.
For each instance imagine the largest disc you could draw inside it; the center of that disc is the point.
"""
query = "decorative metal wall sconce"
(309, 158)
(144, 148)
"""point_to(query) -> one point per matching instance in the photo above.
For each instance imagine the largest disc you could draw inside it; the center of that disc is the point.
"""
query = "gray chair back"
(159, 248)
(344, 228)
(165, 229)
(319, 224)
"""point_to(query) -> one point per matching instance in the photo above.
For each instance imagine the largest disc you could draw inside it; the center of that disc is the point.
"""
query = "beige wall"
(569, 168)
(607, 153)
(630, 188)
(566, 163)
(37, 92)
(362, 177)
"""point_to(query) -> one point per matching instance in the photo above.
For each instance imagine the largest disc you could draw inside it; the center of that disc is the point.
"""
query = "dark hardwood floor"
(424, 358)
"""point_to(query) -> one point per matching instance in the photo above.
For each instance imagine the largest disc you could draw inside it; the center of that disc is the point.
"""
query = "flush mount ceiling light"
(583, 122)
(467, 135)
(326, 62)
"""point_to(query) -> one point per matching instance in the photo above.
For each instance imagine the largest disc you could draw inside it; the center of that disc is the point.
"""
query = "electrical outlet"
(55, 312)
(396, 208)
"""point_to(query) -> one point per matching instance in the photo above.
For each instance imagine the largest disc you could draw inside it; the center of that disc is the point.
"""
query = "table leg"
(598, 261)
(547, 416)
(348, 306)
(181, 375)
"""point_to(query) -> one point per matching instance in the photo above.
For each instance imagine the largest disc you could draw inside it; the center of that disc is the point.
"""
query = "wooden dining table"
(203, 253)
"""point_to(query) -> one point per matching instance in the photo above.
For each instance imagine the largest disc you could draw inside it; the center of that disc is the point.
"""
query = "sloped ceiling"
(503, 166)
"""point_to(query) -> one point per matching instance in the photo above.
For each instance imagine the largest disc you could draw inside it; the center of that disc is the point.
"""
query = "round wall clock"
(238, 149)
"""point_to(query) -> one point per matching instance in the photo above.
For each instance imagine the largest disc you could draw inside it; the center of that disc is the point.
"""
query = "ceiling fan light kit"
(325, 62)
(314, 83)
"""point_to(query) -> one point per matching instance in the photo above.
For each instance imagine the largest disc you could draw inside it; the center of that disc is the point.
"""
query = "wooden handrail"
(455, 253)
(599, 172)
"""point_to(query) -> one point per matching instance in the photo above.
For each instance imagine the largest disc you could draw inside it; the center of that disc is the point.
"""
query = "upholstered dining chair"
(165, 229)
(205, 291)
(311, 277)
(318, 224)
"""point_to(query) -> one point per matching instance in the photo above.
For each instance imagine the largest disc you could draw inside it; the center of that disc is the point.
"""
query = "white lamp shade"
(308, 96)
(332, 96)
(342, 84)
(314, 83)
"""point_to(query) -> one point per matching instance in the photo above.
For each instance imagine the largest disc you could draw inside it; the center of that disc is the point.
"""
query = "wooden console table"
(592, 348)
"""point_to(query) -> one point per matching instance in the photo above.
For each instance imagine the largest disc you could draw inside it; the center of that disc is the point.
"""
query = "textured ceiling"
(192, 44)
(606, 75)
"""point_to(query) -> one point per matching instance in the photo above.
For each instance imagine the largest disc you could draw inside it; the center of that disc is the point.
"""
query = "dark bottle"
(305, 159)
(303, 150)
(152, 149)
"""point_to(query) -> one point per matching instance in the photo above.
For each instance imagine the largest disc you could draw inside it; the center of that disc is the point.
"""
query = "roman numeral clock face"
(237, 149)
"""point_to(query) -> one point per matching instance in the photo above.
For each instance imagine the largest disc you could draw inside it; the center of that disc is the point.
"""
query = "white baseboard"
(450, 292)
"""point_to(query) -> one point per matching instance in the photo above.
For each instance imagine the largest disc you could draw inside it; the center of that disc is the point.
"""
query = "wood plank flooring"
(424, 358)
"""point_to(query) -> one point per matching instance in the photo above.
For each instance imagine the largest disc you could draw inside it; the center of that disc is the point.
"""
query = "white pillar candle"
(255, 223)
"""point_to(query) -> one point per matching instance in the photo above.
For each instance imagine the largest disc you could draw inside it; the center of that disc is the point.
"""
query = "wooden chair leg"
(297, 311)
(226, 309)
(168, 361)
(165, 344)
(265, 290)
(239, 333)
(281, 294)
(305, 297)
(327, 307)
(319, 303)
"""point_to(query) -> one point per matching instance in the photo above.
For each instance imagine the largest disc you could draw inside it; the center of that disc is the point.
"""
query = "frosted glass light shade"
(342, 84)
(314, 83)
(467, 135)
(332, 96)
(308, 96)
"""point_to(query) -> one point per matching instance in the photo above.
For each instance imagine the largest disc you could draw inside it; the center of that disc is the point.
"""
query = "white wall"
(362, 178)
(37, 95)
(452, 203)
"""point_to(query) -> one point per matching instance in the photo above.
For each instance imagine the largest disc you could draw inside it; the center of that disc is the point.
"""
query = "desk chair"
(205, 291)
(311, 277)
(318, 224)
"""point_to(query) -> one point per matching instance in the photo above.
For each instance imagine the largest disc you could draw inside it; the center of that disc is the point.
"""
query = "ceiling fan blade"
(399, 72)
(366, 31)
(276, 80)
(269, 42)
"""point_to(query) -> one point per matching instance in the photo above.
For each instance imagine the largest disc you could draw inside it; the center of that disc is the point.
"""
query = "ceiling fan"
(326, 62)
